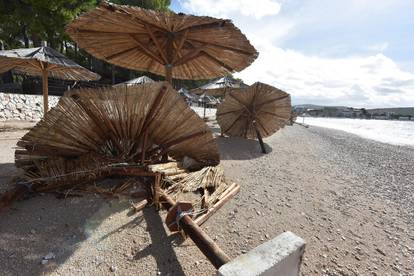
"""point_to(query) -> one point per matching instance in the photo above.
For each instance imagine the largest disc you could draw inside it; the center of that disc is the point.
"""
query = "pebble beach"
(350, 198)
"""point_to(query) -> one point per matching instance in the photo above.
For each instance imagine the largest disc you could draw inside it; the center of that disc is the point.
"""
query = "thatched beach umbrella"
(219, 87)
(45, 62)
(136, 81)
(115, 125)
(255, 112)
(164, 43)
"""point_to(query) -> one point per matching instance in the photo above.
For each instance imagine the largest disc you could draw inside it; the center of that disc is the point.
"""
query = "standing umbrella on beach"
(255, 112)
(45, 62)
(172, 45)
(219, 87)
(136, 81)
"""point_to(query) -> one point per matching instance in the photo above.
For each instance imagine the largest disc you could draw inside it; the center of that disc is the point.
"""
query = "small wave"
(386, 131)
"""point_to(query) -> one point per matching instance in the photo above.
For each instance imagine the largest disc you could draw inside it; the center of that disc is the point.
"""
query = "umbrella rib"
(180, 45)
(113, 9)
(190, 56)
(219, 62)
(273, 114)
(260, 123)
(102, 32)
(242, 104)
(120, 53)
(215, 60)
(272, 100)
(228, 112)
(241, 51)
(156, 42)
(147, 51)
(217, 24)
(234, 122)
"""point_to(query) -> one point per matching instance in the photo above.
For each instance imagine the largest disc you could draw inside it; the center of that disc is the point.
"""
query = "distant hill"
(405, 111)
(319, 106)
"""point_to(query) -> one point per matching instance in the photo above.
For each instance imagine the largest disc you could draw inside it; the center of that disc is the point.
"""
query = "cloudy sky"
(332, 52)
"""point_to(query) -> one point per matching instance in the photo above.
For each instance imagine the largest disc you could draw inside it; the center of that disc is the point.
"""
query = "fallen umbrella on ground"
(145, 135)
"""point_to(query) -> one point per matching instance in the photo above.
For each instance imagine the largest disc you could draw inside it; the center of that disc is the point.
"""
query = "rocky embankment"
(23, 107)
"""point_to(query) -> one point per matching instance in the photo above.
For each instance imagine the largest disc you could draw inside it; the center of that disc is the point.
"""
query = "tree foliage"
(25, 23)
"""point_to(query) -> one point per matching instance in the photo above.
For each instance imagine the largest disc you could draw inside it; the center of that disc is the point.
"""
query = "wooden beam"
(217, 24)
(180, 45)
(156, 42)
(110, 33)
(148, 52)
(259, 137)
(228, 112)
(121, 53)
(206, 245)
(232, 124)
(271, 101)
(195, 53)
(45, 79)
(219, 62)
(237, 50)
(225, 197)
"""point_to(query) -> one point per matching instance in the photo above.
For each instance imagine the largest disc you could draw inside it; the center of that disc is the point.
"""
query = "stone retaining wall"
(23, 107)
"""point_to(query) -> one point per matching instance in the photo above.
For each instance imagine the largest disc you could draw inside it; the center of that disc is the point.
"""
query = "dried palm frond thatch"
(254, 112)
(266, 106)
(173, 45)
(135, 125)
(45, 62)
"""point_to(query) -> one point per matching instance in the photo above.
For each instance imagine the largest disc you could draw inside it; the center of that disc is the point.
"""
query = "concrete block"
(281, 256)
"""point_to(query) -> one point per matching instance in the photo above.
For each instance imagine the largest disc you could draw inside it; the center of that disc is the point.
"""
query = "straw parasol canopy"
(173, 45)
(219, 87)
(116, 125)
(254, 112)
(136, 81)
(44, 62)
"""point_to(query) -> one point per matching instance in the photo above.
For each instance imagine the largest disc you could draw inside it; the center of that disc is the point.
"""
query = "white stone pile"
(23, 107)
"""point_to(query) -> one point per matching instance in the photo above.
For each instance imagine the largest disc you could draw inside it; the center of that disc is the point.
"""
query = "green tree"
(25, 23)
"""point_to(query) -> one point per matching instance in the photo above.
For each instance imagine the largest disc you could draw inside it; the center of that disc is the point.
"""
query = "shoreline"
(399, 133)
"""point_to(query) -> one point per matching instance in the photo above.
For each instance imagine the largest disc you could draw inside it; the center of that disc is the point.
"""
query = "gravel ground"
(348, 197)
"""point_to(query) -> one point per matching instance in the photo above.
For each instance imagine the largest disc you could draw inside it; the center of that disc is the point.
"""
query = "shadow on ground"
(7, 173)
(31, 229)
(236, 148)
(161, 247)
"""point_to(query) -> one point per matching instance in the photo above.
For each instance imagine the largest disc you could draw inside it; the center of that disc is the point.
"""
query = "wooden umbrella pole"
(45, 91)
(206, 245)
(168, 73)
(259, 137)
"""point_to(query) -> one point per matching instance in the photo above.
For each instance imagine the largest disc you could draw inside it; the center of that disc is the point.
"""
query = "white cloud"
(370, 79)
(224, 8)
(378, 47)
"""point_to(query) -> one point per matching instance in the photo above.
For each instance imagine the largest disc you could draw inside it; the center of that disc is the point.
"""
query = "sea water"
(386, 131)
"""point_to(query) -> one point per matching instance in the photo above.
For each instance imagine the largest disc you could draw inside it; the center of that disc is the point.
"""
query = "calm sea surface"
(386, 131)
